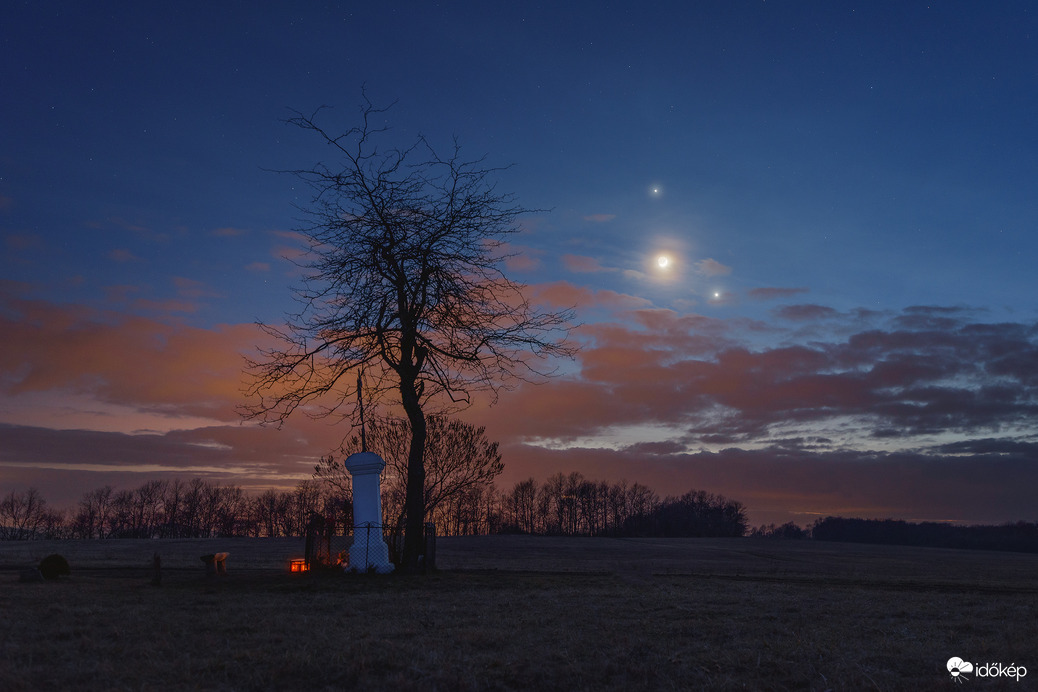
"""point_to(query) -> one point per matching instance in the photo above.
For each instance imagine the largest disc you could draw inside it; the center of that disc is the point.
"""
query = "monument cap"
(364, 462)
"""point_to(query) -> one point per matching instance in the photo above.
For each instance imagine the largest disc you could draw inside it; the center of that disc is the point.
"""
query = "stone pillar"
(369, 550)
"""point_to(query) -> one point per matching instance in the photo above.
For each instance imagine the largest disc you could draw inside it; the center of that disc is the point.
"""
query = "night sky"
(846, 192)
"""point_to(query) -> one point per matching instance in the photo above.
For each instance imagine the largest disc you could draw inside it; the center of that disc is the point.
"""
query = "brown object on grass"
(215, 563)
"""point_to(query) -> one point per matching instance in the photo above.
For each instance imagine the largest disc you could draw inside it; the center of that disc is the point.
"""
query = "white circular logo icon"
(957, 667)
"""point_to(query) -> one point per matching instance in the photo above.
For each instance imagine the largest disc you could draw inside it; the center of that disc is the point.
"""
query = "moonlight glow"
(663, 261)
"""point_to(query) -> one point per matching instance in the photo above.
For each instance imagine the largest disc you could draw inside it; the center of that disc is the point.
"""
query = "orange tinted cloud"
(582, 265)
(566, 294)
(229, 232)
(520, 258)
(127, 360)
(784, 413)
(166, 306)
(522, 263)
(669, 368)
(123, 255)
(190, 288)
(19, 242)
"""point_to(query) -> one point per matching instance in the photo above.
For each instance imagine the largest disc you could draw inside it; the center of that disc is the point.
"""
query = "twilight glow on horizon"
(799, 238)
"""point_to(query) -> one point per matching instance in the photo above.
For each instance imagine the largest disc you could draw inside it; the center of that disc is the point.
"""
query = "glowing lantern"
(298, 565)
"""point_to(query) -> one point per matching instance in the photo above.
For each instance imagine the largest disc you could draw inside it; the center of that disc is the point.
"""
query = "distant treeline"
(564, 505)
(167, 509)
(572, 505)
(1019, 537)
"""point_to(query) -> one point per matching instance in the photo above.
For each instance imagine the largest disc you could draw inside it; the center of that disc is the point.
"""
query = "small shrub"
(54, 566)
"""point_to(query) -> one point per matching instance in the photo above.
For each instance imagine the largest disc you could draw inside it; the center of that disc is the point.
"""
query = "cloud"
(644, 366)
(889, 387)
(290, 253)
(520, 258)
(166, 306)
(22, 242)
(120, 294)
(258, 267)
(599, 218)
(895, 415)
(580, 264)
(656, 448)
(229, 232)
(711, 267)
(566, 294)
(932, 317)
(138, 229)
(522, 263)
(191, 288)
(68, 463)
(123, 255)
(771, 293)
(133, 298)
(295, 249)
(292, 236)
(121, 359)
(801, 313)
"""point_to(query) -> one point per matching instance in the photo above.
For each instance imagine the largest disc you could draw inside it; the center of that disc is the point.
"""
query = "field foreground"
(519, 612)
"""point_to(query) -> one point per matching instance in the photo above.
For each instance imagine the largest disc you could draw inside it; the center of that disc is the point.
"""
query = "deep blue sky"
(824, 169)
(880, 154)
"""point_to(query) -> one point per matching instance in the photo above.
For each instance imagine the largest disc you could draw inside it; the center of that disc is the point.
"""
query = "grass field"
(519, 613)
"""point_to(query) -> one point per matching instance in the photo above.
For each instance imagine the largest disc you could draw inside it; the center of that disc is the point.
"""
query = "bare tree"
(459, 460)
(402, 279)
(306, 501)
(172, 496)
(521, 506)
(338, 489)
(267, 507)
(93, 519)
(148, 508)
(191, 507)
(22, 514)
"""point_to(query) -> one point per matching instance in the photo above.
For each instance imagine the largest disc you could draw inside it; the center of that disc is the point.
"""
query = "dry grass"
(520, 613)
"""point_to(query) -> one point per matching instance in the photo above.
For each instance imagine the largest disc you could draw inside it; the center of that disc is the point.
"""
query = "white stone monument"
(369, 551)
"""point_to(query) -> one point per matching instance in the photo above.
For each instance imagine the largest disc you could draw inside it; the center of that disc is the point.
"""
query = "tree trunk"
(414, 500)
